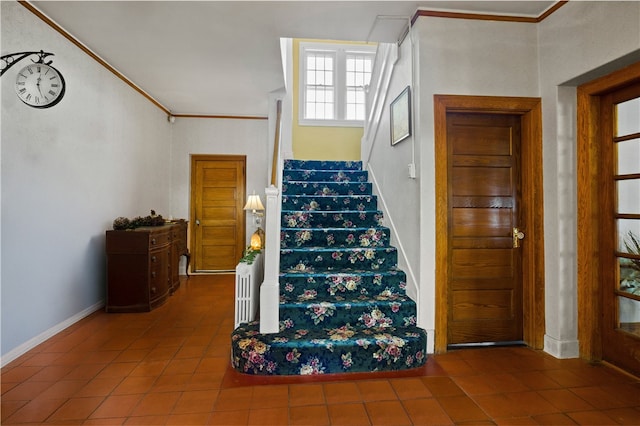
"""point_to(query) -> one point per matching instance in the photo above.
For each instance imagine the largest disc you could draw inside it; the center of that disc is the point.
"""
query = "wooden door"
(218, 221)
(620, 227)
(484, 289)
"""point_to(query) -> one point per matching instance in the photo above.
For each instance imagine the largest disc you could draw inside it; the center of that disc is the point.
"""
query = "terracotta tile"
(149, 368)
(213, 365)
(63, 389)
(512, 421)
(76, 408)
(455, 367)
(132, 355)
(196, 402)
(85, 371)
(530, 402)
(410, 388)
(188, 419)
(117, 369)
(591, 418)
(269, 416)
(387, 413)
(26, 391)
(106, 422)
(442, 386)
(52, 373)
(475, 385)
(306, 395)
(565, 400)
(537, 380)
(234, 399)
(625, 416)
(224, 418)
(168, 383)
(205, 381)
(100, 357)
(504, 382)
(7, 408)
(98, 387)
(270, 397)
(376, 390)
(134, 385)
(462, 409)
(182, 366)
(341, 392)
(19, 374)
(599, 398)
(426, 411)
(309, 415)
(147, 420)
(154, 404)
(35, 411)
(554, 419)
(116, 406)
(43, 359)
(499, 406)
(352, 414)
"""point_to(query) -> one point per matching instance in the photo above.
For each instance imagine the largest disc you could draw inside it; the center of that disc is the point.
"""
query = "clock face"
(39, 85)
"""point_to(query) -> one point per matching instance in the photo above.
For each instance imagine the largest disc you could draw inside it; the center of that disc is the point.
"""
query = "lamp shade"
(254, 203)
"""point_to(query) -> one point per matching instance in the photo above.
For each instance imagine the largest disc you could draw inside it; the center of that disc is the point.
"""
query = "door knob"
(197, 222)
(517, 236)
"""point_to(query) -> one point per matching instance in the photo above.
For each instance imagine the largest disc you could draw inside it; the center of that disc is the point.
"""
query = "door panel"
(484, 289)
(218, 194)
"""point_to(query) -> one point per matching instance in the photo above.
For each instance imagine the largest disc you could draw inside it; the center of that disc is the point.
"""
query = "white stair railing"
(270, 289)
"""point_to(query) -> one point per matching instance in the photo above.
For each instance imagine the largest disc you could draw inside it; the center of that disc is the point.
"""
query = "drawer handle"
(153, 258)
(153, 290)
(153, 274)
(153, 241)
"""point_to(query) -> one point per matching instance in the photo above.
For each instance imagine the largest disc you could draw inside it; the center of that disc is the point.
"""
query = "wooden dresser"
(142, 266)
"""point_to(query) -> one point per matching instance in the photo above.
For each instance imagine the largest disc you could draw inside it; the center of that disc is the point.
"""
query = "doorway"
(217, 218)
(488, 200)
(609, 219)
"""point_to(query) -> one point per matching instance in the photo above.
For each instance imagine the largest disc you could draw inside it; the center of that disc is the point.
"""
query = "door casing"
(530, 110)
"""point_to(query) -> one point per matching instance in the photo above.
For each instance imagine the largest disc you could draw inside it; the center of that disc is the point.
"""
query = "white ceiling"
(223, 57)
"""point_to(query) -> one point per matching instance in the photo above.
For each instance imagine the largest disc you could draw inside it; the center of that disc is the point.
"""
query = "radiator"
(248, 280)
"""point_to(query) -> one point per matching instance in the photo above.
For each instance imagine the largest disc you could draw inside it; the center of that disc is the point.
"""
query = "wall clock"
(40, 85)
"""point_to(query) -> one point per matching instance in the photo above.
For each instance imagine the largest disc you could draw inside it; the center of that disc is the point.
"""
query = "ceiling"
(223, 57)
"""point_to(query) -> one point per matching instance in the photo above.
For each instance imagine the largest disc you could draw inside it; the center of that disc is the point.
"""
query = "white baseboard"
(35, 341)
(561, 349)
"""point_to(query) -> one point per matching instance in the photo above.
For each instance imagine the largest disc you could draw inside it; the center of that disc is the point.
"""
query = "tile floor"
(171, 366)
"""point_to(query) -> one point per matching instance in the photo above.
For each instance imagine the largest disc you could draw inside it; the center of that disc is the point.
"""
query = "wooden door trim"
(192, 210)
(589, 209)
(530, 109)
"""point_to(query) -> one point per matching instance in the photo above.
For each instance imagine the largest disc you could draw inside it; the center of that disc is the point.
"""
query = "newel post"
(270, 289)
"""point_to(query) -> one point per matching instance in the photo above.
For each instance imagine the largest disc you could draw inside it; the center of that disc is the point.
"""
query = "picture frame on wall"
(401, 116)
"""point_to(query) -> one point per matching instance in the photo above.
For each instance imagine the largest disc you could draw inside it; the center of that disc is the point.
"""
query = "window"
(332, 82)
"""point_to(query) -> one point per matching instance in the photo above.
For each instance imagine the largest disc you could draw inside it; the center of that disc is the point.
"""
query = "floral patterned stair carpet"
(343, 306)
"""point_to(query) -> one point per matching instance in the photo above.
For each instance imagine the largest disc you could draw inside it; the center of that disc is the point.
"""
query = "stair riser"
(295, 219)
(327, 188)
(321, 165)
(329, 203)
(293, 286)
(312, 259)
(372, 237)
(335, 351)
(326, 176)
(364, 314)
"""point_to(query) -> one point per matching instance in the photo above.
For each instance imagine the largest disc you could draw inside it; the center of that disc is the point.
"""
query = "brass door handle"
(517, 236)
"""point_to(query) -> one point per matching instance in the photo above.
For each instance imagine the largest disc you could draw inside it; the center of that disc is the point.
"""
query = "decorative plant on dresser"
(143, 255)
(343, 305)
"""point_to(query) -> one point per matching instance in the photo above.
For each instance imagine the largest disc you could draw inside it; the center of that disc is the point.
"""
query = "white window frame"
(340, 52)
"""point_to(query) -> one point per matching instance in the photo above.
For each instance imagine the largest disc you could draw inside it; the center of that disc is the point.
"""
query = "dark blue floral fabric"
(343, 305)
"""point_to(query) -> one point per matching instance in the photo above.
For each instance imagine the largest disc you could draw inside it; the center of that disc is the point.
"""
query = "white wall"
(67, 172)
(579, 42)
(221, 137)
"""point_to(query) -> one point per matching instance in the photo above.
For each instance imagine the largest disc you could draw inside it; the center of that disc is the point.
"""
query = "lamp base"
(257, 239)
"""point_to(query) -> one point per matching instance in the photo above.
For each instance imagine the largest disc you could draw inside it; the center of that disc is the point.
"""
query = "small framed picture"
(401, 117)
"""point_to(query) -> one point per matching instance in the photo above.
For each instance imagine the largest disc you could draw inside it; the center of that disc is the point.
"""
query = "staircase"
(343, 306)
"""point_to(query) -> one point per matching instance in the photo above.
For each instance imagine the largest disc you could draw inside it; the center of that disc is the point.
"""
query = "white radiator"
(248, 280)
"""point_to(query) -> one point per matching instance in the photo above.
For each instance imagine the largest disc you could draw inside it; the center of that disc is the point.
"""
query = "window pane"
(628, 157)
(628, 117)
(628, 196)
(629, 275)
(629, 315)
(629, 236)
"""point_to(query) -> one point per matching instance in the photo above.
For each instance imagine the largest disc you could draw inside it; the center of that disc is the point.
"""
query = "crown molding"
(488, 17)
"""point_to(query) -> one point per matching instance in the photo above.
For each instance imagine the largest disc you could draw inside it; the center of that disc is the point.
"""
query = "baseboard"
(35, 341)
(561, 349)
